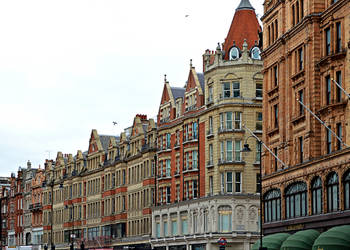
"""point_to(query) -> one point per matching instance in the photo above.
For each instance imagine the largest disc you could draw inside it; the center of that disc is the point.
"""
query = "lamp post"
(72, 235)
(247, 149)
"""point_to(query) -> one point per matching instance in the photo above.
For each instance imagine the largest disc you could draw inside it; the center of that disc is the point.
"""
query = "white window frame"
(237, 120)
(238, 182)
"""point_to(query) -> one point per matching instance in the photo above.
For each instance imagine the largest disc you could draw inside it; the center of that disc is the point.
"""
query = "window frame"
(338, 32)
(236, 89)
(296, 198)
(226, 90)
(346, 190)
(272, 202)
(316, 195)
(332, 186)
(328, 41)
(234, 49)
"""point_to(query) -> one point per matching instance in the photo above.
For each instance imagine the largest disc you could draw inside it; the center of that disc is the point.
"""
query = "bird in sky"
(115, 123)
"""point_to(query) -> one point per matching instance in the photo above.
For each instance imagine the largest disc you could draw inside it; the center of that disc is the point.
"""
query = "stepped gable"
(244, 25)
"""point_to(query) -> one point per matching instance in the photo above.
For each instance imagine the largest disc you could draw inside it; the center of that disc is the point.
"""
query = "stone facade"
(36, 208)
(102, 197)
(306, 47)
(207, 188)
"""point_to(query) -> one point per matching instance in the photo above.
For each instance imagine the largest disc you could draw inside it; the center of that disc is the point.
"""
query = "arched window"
(332, 192)
(255, 53)
(296, 200)
(316, 190)
(272, 204)
(347, 190)
(225, 219)
(234, 53)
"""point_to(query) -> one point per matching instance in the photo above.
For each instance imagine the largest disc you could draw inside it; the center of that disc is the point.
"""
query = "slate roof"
(178, 92)
(105, 140)
(201, 79)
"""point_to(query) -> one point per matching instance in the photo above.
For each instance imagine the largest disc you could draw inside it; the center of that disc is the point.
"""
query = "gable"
(165, 95)
(94, 142)
(191, 82)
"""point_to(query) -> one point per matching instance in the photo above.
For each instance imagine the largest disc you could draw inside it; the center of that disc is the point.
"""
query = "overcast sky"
(67, 67)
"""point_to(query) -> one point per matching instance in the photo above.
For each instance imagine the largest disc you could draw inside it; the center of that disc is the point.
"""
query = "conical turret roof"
(244, 25)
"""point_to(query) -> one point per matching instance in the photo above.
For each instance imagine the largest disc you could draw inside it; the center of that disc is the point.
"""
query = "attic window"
(255, 53)
(234, 53)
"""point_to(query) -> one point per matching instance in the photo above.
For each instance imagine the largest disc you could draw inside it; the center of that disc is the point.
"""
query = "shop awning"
(272, 242)
(302, 240)
(336, 238)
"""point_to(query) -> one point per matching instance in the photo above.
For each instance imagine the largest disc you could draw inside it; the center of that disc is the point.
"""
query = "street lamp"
(72, 235)
(247, 149)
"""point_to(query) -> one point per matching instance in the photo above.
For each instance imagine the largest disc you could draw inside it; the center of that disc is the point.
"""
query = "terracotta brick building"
(102, 197)
(4, 202)
(207, 189)
(306, 49)
(36, 208)
(15, 211)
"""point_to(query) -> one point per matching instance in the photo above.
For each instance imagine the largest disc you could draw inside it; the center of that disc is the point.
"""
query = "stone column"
(179, 231)
(161, 226)
(169, 226)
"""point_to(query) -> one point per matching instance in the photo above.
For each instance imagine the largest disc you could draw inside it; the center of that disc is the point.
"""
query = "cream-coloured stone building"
(226, 204)
(103, 197)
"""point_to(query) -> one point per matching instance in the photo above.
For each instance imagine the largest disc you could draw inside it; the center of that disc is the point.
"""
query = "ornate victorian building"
(306, 54)
(207, 189)
(102, 197)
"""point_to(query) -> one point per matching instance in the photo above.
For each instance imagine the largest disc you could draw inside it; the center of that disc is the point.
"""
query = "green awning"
(302, 240)
(272, 242)
(336, 238)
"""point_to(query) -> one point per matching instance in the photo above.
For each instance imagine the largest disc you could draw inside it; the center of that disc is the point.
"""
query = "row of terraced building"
(180, 182)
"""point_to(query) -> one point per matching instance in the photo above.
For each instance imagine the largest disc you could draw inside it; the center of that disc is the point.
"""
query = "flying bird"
(187, 15)
(115, 123)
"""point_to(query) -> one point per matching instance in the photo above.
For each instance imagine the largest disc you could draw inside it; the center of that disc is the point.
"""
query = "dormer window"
(255, 53)
(234, 53)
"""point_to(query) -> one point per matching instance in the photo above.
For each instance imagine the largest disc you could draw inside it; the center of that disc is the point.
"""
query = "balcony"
(331, 57)
(35, 206)
(164, 120)
(235, 94)
(193, 107)
(164, 149)
(190, 139)
(230, 161)
(231, 130)
(147, 147)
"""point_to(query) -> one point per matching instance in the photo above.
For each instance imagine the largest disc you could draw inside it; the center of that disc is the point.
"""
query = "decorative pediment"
(167, 95)
(94, 142)
(193, 81)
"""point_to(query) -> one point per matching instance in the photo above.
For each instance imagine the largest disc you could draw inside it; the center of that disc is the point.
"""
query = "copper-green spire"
(245, 5)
